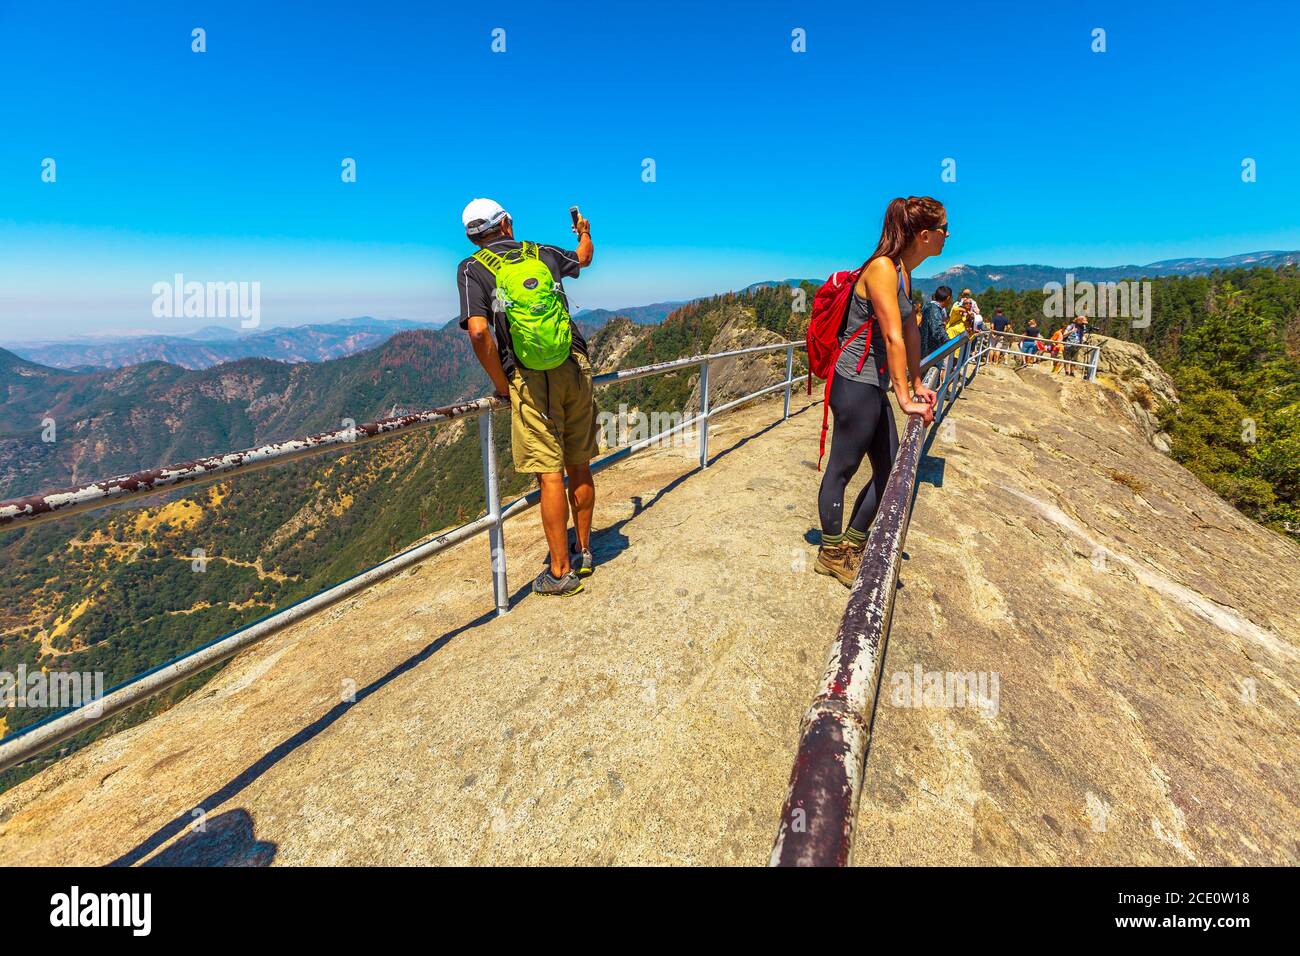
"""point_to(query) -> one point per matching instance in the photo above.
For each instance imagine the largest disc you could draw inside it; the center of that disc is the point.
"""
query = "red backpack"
(829, 313)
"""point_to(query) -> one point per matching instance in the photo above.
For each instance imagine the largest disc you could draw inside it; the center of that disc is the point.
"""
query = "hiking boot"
(549, 585)
(840, 562)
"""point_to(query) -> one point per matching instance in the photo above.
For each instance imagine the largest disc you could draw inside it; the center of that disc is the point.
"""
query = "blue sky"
(225, 165)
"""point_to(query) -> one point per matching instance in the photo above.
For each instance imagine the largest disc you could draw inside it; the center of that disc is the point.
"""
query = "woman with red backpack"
(878, 347)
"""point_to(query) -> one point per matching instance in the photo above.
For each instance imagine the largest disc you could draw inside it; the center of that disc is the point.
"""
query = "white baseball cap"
(488, 210)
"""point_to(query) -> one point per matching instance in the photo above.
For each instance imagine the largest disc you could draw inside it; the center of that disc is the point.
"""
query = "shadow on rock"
(225, 840)
(930, 471)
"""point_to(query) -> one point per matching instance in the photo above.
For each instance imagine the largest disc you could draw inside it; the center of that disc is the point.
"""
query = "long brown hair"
(904, 218)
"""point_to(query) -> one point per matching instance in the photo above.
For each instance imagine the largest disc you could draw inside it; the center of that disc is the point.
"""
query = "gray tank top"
(875, 370)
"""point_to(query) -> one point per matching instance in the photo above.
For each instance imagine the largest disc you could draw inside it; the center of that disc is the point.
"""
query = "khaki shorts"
(552, 417)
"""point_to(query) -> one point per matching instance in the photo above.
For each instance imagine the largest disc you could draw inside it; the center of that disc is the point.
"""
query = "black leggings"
(864, 427)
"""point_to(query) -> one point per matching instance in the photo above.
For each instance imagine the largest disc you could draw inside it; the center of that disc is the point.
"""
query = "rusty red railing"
(816, 827)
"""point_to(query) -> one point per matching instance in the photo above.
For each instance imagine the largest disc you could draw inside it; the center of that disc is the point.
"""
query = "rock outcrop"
(613, 341)
(731, 378)
(1127, 368)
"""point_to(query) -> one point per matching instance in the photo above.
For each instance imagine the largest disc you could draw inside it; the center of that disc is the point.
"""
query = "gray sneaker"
(549, 585)
(581, 563)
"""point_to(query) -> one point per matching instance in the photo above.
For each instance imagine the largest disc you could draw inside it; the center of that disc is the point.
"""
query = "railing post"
(704, 414)
(496, 533)
(789, 379)
(1092, 367)
(945, 386)
(953, 383)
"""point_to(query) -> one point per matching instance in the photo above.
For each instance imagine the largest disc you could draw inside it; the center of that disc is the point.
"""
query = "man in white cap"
(513, 305)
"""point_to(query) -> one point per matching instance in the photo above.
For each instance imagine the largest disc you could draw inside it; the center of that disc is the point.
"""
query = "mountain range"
(120, 420)
(214, 344)
(651, 314)
(1024, 277)
(1021, 278)
(116, 590)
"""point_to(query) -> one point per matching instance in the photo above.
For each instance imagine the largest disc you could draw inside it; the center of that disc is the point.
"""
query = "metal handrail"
(816, 826)
(1090, 365)
(31, 740)
(1045, 338)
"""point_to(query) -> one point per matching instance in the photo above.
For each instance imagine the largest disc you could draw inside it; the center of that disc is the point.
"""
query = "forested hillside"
(110, 422)
(693, 330)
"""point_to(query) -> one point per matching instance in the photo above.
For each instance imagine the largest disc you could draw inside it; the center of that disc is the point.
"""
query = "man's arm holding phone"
(583, 228)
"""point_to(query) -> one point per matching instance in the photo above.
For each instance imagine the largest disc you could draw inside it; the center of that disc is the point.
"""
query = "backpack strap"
(866, 343)
(826, 396)
(826, 410)
(901, 286)
(489, 260)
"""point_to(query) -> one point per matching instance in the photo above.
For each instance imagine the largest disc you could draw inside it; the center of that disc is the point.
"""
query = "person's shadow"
(225, 840)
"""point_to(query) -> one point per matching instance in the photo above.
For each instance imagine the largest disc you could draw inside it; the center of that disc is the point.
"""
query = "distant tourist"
(999, 336)
(1075, 335)
(881, 306)
(1058, 337)
(958, 320)
(933, 319)
(971, 310)
(1029, 344)
(513, 305)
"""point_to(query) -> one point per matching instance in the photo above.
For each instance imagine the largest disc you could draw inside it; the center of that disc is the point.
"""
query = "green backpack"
(539, 322)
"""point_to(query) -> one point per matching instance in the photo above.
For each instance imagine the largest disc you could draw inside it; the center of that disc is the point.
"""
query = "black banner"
(334, 906)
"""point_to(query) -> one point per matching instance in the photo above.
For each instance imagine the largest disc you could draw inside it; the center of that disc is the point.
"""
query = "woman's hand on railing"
(924, 393)
(919, 406)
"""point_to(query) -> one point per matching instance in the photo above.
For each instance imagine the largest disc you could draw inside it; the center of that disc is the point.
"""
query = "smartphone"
(574, 214)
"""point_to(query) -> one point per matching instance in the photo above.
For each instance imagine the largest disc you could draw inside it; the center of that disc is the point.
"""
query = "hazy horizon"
(188, 326)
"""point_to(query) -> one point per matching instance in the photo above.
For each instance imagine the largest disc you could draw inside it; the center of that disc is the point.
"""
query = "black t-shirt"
(1000, 323)
(476, 284)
